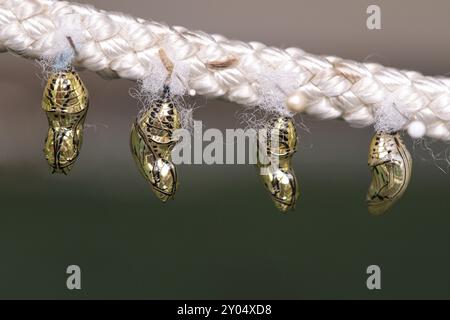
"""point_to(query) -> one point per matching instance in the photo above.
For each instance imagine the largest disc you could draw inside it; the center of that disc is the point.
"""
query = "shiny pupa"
(152, 141)
(65, 102)
(391, 165)
(275, 165)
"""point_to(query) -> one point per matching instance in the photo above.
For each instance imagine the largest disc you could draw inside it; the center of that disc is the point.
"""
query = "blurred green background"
(221, 238)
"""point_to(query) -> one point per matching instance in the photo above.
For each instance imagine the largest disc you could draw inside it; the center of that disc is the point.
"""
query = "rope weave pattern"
(119, 46)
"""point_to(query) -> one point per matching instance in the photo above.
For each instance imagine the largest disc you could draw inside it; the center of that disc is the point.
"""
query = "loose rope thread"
(116, 45)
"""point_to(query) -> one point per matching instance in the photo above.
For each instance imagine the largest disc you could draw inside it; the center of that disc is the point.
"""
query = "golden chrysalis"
(391, 165)
(152, 141)
(275, 167)
(66, 103)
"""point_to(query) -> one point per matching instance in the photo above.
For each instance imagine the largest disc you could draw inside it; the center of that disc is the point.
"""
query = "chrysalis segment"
(66, 103)
(275, 165)
(152, 141)
(391, 166)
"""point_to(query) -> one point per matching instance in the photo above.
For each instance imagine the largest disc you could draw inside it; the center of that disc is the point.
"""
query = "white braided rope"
(119, 46)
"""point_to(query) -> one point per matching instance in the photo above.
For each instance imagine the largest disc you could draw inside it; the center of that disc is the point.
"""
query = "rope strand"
(119, 46)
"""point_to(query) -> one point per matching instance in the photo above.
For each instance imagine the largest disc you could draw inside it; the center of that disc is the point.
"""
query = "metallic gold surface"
(275, 166)
(152, 142)
(391, 166)
(65, 102)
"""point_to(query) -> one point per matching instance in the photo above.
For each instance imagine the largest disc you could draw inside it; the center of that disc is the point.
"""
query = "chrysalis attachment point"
(391, 166)
(275, 166)
(152, 142)
(66, 103)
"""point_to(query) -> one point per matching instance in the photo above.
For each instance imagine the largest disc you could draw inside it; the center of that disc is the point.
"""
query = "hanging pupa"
(391, 166)
(275, 167)
(65, 103)
(152, 141)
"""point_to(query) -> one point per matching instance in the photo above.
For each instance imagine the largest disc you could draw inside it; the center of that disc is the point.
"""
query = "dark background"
(222, 236)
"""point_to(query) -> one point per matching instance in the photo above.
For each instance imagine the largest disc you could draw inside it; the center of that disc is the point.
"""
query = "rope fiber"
(116, 45)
